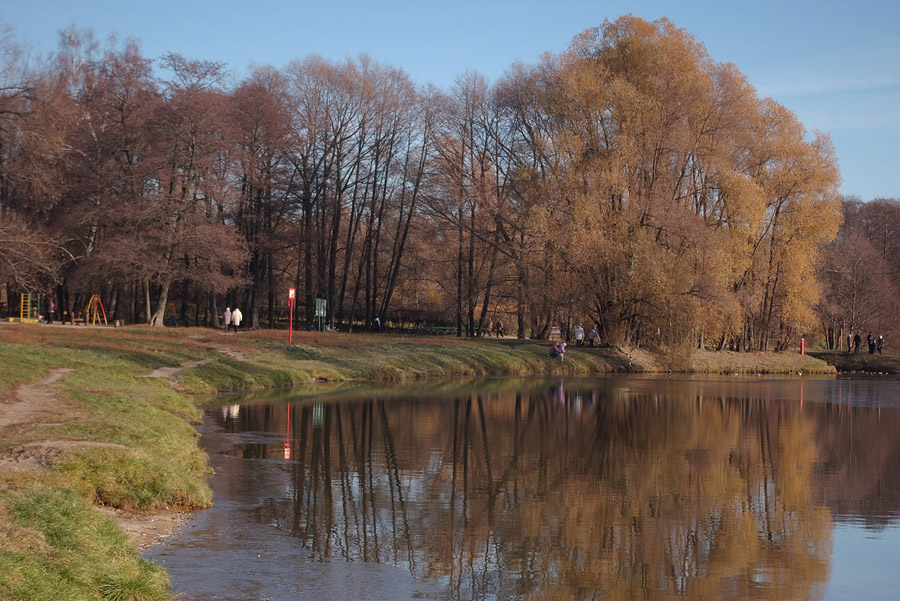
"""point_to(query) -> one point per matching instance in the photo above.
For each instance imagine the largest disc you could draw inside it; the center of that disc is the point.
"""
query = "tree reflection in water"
(592, 490)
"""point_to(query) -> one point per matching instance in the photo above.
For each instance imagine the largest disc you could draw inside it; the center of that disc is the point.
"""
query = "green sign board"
(321, 305)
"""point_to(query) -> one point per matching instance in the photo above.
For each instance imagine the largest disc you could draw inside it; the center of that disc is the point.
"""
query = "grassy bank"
(862, 363)
(104, 438)
(82, 425)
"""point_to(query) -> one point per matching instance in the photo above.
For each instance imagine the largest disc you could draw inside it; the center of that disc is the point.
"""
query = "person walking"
(227, 318)
(236, 319)
(579, 335)
(594, 335)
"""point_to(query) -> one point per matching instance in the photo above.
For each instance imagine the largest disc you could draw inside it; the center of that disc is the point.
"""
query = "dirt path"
(28, 403)
(223, 348)
(168, 372)
(30, 400)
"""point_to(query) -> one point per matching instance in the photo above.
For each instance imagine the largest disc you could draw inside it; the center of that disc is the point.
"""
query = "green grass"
(55, 546)
(338, 357)
(125, 442)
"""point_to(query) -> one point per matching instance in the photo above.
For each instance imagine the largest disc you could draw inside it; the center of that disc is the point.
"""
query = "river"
(622, 487)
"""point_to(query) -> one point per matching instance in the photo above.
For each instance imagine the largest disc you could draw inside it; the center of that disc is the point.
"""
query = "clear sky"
(835, 64)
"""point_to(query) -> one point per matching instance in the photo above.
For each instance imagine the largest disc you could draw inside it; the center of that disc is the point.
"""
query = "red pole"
(291, 322)
(802, 346)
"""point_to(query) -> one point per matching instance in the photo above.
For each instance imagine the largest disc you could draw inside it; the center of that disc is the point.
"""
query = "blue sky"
(835, 64)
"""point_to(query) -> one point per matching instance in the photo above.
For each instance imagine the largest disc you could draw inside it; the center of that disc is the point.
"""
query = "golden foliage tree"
(687, 206)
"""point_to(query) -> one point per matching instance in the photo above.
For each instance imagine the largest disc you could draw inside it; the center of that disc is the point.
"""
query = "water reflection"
(604, 489)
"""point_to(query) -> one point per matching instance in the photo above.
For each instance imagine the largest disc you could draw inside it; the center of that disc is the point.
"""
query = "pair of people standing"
(233, 318)
(876, 344)
(592, 337)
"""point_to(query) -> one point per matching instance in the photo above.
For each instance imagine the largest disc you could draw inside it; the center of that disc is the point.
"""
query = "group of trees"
(860, 274)
(630, 181)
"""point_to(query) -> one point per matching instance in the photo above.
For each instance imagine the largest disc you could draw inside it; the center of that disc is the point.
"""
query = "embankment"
(862, 363)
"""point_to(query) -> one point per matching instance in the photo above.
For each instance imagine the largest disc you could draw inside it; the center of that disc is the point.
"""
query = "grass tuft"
(143, 585)
(61, 548)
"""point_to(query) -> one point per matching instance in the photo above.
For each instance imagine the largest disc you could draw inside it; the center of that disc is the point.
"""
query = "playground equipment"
(94, 310)
(29, 308)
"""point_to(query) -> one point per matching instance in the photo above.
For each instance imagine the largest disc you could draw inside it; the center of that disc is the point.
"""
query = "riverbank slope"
(861, 363)
(102, 418)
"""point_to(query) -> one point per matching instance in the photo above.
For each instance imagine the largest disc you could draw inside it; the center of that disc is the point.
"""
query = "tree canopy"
(630, 181)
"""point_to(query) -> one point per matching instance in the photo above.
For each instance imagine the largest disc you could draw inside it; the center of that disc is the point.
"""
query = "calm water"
(614, 488)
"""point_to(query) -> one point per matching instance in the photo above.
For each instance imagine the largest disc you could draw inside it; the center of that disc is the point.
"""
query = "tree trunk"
(459, 276)
(270, 276)
(148, 310)
(159, 315)
(485, 305)
(213, 320)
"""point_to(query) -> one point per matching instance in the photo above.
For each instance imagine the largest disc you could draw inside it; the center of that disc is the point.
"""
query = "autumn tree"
(359, 140)
(858, 272)
(260, 128)
(41, 118)
(116, 97)
(533, 226)
(799, 180)
(680, 202)
(181, 235)
(879, 222)
(107, 173)
(469, 176)
(155, 221)
(29, 253)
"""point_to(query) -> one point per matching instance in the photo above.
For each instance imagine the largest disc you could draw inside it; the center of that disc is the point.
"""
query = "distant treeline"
(859, 273)
(629, 182)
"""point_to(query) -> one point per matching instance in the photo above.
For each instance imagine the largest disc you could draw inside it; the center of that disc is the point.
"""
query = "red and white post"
(292, 294)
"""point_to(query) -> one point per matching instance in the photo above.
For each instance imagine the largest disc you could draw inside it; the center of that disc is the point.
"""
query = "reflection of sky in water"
(805, 459)
(864, 564)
